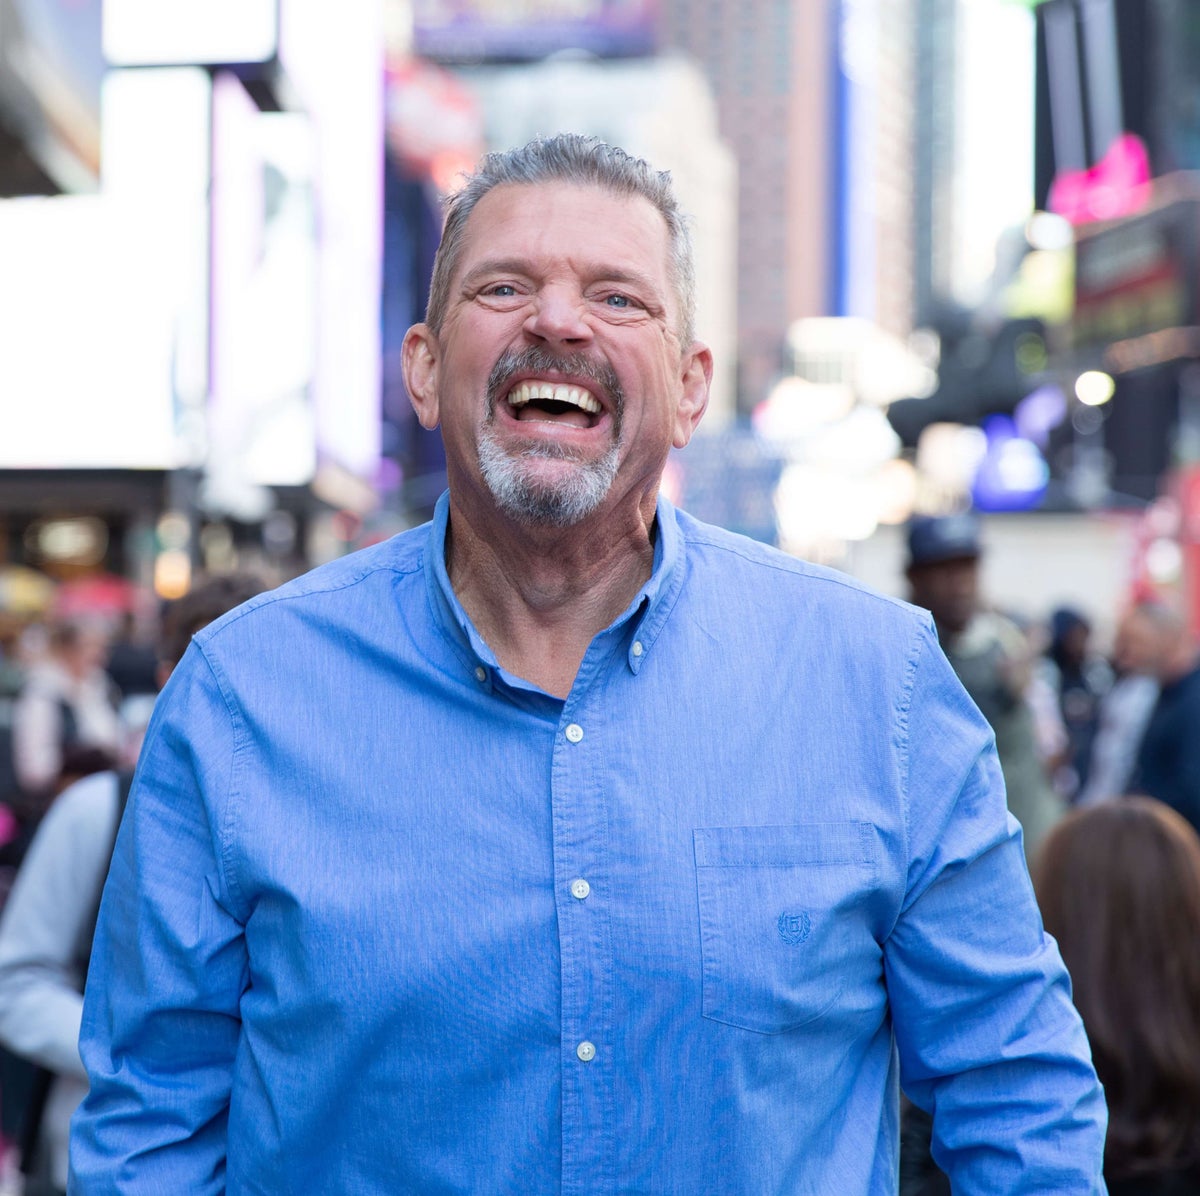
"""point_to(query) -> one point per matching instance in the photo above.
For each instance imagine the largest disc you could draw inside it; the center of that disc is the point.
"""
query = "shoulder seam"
(800, 569)
(226, 814)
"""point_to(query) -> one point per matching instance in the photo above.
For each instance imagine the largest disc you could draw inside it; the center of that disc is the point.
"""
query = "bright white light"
(993, 177)
(796, 408)
(1164, 562)
(334, 55)
(1048, 230)
(815, 507)
(1094, 388)
(168, 32)
(85, 370)
(1020, 467)
(948, 455)
(896, 487)
(862, 441)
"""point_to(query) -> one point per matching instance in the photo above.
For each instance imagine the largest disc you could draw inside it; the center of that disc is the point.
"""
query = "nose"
(559, 315)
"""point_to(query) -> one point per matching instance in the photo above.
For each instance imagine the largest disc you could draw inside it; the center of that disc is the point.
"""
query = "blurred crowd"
(1101, 757)
(78, 684)
(75, 694)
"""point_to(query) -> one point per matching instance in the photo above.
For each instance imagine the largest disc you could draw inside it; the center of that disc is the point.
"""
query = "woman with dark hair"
(1119, 888)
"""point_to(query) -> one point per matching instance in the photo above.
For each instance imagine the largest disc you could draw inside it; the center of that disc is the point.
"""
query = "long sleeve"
(60, 878)
(160, 1023)
(989, 1040)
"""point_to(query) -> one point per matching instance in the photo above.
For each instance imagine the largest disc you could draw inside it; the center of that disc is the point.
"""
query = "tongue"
(561, 413)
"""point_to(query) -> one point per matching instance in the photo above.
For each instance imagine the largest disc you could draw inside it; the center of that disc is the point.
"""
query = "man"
(567, 844)
(1156, 642)
(67, 705)
(990, 655)
(45, 932)
(1124, 712)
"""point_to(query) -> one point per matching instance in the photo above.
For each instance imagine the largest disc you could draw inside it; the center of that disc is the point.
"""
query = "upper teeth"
(575, 395)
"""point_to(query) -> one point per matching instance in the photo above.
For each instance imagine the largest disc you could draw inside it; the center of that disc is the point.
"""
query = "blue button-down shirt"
(345, 946)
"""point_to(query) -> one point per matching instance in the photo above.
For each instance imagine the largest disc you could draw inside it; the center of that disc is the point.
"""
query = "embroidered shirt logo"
(794, 928)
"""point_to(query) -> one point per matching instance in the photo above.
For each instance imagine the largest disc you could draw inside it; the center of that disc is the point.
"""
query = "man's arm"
(54, 894)
(989, 1040)
(160, 1020)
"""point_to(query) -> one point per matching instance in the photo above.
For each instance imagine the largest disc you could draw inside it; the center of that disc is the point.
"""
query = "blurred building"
(817, 101)
(189, 355)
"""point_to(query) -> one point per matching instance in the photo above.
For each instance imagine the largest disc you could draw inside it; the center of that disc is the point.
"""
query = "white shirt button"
(637, 648)
(586, 1052)
(580, 889)
(574, 732)
(481, 673)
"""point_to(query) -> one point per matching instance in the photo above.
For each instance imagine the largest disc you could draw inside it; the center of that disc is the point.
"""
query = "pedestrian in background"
(65, 722)
(47, 924)
(1124, 712)
(567, 844)
(1119, 888)
(1118, 883)
(1157, 642)
(990, 654)
(1080, 679)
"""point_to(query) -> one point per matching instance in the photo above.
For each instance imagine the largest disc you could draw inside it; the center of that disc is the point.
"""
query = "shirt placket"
(583, 902)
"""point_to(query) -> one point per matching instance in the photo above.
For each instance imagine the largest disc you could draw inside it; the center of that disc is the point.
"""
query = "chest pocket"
(782, 929)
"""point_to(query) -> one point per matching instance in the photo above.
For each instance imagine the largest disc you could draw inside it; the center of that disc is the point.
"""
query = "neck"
(539, 595)
(1180, 663)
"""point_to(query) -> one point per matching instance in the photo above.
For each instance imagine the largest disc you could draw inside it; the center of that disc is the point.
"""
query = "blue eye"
(503, 290)
(617, 300)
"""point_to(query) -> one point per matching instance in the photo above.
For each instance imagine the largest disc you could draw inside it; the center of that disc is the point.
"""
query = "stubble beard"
(519, 488)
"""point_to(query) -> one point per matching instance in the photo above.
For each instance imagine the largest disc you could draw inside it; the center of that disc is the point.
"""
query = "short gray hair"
(568, 158)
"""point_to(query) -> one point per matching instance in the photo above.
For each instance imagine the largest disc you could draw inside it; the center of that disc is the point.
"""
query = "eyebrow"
(516, 265)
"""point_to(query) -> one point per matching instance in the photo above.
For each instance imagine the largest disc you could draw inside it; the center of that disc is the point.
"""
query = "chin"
(524, 493)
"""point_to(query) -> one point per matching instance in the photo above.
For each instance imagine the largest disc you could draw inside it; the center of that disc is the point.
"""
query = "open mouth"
(554, 402)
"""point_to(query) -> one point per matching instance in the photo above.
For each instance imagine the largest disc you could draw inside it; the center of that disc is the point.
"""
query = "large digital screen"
(333, 56)
(260, 416)
(85, 340)
(103, 299)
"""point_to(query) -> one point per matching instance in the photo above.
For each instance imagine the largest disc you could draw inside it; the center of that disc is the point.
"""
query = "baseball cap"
(934, 538)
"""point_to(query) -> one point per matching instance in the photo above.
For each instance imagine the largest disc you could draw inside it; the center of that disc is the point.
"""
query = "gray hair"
(567, 158)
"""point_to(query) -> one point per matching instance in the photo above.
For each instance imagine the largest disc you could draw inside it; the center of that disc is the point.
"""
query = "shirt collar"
(640, 622)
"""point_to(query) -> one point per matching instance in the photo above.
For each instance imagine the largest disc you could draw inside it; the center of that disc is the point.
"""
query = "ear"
(696, 377)
(419, 360)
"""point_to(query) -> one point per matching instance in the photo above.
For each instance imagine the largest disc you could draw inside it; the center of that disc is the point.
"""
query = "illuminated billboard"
(103, 299)
(198, 32)
(488, 30)
(260, 415)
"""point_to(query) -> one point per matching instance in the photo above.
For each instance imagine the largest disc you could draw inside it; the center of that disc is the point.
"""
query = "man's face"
(89, 652)
(949, 590)
(1139, 645)
(557, 376)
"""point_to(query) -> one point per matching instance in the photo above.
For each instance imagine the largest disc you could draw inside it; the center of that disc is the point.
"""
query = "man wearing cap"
(990, 655)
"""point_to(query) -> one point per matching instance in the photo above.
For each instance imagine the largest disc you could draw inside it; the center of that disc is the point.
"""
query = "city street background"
(946, 251)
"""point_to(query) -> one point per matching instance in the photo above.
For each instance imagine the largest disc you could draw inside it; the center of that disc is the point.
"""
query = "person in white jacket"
(51, 910)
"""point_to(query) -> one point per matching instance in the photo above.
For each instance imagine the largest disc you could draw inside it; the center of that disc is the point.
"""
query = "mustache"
(599, 375)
